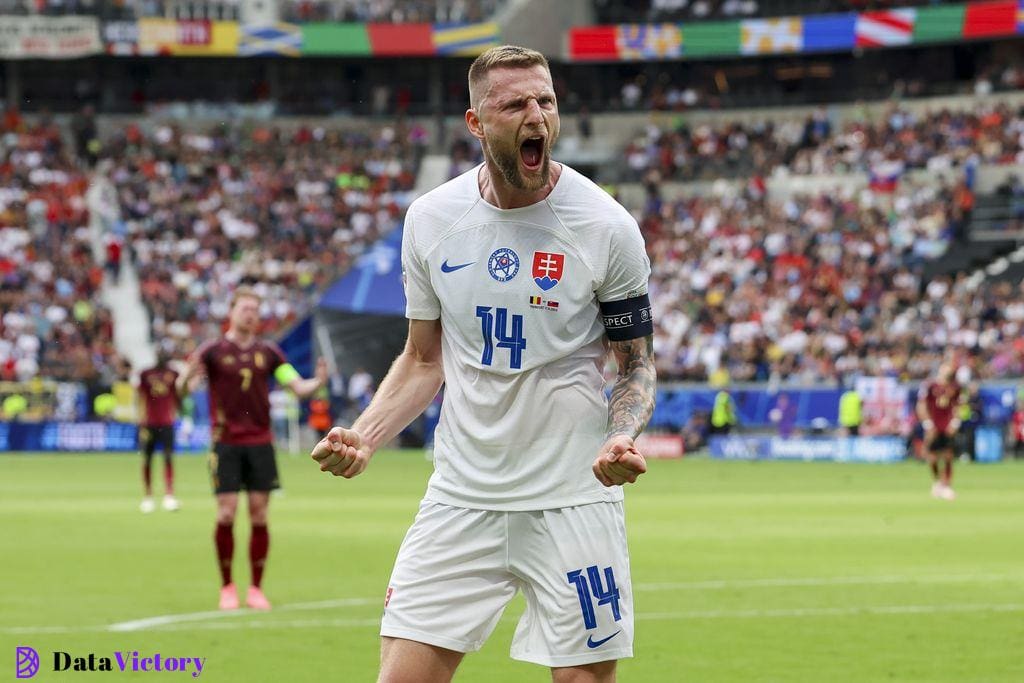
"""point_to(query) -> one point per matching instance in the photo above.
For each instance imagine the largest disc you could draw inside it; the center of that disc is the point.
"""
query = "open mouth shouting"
(531, 152)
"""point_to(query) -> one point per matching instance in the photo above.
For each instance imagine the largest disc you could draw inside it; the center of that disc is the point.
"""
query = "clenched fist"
(341, 453)
(619, 462)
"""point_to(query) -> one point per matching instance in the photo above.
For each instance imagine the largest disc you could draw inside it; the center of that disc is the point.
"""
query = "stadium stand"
(52, 322)
(286, 210)
(811, 289)
(894, 143)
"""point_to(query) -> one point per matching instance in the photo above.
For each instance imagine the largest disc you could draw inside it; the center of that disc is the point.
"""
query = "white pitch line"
(826, 581)
(828, 611)
(163, 620)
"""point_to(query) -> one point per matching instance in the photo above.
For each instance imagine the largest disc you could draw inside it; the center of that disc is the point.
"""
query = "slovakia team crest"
(503, 264)
(547, 269)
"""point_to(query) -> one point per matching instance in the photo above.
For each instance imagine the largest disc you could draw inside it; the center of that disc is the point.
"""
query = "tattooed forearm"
(632, 400)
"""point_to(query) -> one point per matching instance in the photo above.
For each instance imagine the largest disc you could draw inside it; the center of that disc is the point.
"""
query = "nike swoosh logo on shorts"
(445, 268)
(591, 643)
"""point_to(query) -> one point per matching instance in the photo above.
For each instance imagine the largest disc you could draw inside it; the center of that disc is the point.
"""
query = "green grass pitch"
(784, 572)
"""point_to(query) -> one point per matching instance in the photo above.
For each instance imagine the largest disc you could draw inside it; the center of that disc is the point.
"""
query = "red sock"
(168, 477)
(259, 544)
(225, 540)
(147, 478)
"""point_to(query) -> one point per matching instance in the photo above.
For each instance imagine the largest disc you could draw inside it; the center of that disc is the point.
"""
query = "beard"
(506, 158)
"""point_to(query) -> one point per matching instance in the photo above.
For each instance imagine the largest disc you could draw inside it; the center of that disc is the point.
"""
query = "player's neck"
(238, 338)
(497, 192)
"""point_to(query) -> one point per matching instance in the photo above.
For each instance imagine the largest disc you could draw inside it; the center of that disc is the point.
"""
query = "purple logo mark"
(26, 662)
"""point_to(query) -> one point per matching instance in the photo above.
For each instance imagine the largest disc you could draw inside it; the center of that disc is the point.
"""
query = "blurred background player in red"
(1017, 429)
(158, 408)
(937, 408)
(238, 368)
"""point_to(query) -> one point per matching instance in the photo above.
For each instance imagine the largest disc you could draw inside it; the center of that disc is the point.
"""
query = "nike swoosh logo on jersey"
(591, 643)
(445, 268)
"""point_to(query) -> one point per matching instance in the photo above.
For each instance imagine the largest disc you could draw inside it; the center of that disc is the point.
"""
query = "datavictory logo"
(27, 663)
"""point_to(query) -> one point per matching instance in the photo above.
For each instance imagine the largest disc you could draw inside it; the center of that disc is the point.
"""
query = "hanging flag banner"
(835, 32)
(261, 40)
(191, 38)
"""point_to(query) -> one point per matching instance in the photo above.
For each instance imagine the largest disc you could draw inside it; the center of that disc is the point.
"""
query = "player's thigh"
(147, 440)
(259, 468)
(407, 660)
(576, 578)
(450, 582)
(225, 463)
(165, 437)
(600, 672)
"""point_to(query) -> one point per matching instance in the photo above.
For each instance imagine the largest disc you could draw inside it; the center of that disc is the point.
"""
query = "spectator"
(723, 413)
(851, 411)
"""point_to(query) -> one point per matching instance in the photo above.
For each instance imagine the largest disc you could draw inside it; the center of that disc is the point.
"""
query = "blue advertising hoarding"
(90, 436)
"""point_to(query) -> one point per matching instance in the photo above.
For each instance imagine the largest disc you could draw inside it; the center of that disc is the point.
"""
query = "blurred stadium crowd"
(198, 213)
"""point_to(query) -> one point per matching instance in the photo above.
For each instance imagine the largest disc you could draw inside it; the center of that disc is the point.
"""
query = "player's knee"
(598, 672)
(225, 516)
(258, 518)
(226, 512)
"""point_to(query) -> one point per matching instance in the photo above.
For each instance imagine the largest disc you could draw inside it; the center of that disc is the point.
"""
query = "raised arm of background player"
(629, 410)
(410, 385)
(286, 375)
(191, 376)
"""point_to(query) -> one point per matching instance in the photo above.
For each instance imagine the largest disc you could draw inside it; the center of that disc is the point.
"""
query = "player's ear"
(474, 124)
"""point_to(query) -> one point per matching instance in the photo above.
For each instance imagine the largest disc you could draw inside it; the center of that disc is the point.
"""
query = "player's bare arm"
(629, 410)
(304, 388)
(925, 418)
(410, 385)
(190, 376)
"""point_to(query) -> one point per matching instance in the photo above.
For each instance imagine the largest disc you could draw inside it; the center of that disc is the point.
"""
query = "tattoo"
(632, 400)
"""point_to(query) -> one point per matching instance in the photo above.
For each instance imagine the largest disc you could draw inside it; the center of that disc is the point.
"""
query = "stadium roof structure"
(374, 284)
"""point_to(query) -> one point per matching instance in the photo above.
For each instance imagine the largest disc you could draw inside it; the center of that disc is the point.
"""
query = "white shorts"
(458, 568)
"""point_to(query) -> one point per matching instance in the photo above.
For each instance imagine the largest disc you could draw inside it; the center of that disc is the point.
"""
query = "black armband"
(627, 318)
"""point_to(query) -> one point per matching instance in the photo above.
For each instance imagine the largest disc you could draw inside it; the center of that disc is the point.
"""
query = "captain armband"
(628, 318)
(286, 374)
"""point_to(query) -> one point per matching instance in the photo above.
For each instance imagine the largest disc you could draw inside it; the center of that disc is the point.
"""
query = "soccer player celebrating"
(519, 275)
(159, 403)
(238, 368)
(937, 407)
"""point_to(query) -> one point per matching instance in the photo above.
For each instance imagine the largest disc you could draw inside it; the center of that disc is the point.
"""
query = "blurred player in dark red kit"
(937, 407)
(159, 404)
(238, 368)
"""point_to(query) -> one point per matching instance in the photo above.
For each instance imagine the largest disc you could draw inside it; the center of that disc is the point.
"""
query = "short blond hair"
(245, 292)
(502, 56)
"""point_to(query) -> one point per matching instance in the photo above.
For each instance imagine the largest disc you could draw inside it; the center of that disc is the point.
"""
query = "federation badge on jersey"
(503, 264)
(547, 269)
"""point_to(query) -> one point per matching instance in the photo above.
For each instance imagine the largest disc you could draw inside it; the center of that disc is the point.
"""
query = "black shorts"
(941, 442)
(235, 467)
(151, 437)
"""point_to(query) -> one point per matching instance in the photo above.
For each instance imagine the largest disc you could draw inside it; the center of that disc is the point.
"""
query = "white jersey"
(517, 292)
